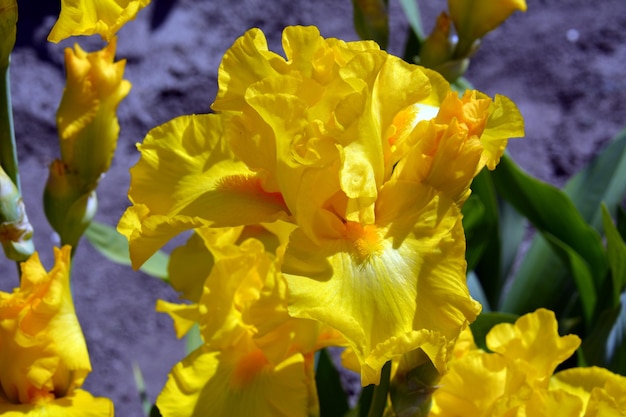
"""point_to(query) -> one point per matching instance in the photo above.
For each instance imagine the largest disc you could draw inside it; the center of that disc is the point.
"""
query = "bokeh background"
(562, 62)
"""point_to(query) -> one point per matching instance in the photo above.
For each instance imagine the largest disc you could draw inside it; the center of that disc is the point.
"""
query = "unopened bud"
(68, 208)
(15, 230)
(8, 21)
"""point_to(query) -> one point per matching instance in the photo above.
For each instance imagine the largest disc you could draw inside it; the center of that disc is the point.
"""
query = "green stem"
(8, 152)
(379, 399)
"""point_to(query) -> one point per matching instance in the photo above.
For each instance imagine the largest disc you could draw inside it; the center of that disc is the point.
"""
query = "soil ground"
(562, 62)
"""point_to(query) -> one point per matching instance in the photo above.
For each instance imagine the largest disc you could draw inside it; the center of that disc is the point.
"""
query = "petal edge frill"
(187, 177)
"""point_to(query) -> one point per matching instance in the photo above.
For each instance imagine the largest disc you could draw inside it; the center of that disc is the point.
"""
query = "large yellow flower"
(369, 157)
(87, 17)
(517, 378)
(255, 360)
(43, 355)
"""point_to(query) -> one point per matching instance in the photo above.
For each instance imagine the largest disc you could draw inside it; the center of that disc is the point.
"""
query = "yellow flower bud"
(87, 17)
(8, 20)
(437, 51)
(474, 18)
(437, 48)
(86, 119)
(43, 355)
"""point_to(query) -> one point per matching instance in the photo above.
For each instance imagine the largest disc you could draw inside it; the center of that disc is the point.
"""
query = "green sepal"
(371, 21)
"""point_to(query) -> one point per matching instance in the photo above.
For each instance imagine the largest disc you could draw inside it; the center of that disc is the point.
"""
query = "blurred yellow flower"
(517, 378)
(255, 360)
(370, 158)
(87, 17)
(43, 355)
(603, 393)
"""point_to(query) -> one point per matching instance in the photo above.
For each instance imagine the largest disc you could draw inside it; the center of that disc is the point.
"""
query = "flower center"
(247, 368)
(367, 240)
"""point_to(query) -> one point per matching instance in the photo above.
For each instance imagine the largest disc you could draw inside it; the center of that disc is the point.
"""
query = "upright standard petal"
(87, 17)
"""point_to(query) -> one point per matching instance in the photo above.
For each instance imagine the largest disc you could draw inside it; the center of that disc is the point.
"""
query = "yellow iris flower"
(255, 360)
(43, 355)
(517, 378)
(370, 158)
(87, 17)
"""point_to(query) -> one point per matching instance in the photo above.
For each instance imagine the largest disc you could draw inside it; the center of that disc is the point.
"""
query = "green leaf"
(602, 180)
(579, 270)
(475, 237)
(114, 246)
(550, 211)
(606, 344)
(488, 267)
(412, 13)
(332, 398)
(146, 405)
(371, 20)
(621, 222)
(616, 253)
(512, 230)
(483, 324)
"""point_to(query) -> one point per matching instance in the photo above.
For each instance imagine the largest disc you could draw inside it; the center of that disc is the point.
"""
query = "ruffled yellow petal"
(471, 386)
(87, 17)
(42, 351)
(78, 404)
(544, 403)
(602, 392)
(188, 178)
(146, 233)
(534, 344)
(388, 289)
(504, 122)
(237, 384)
